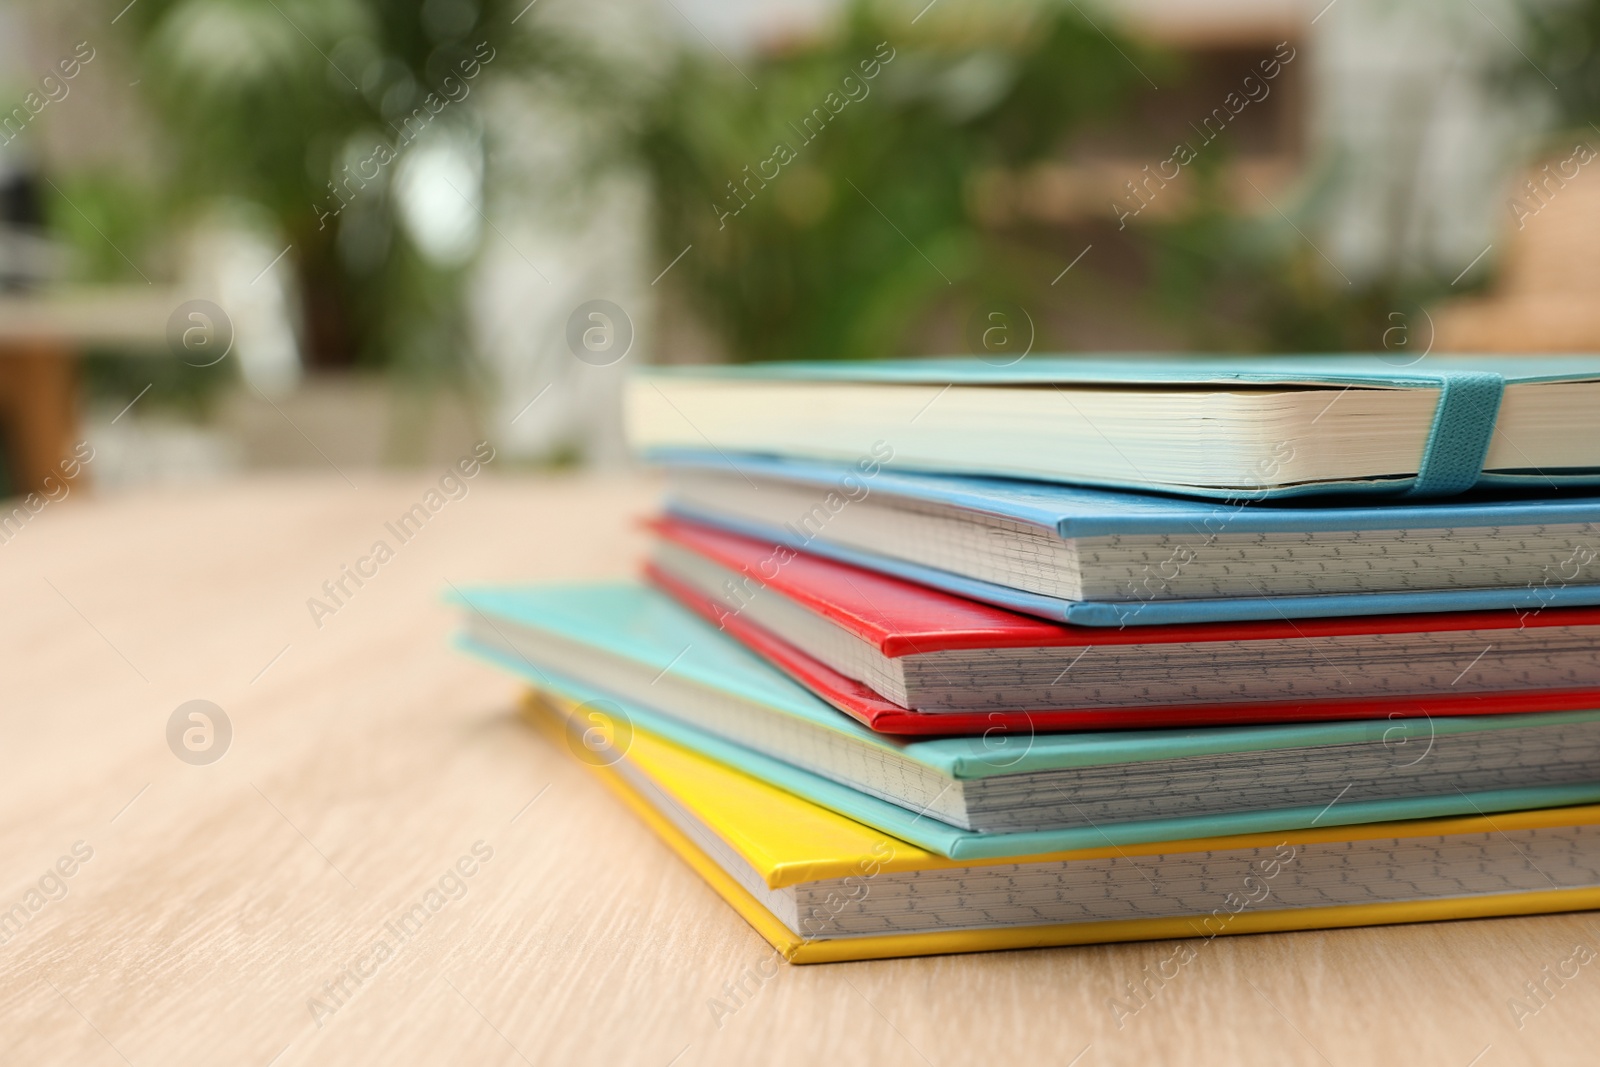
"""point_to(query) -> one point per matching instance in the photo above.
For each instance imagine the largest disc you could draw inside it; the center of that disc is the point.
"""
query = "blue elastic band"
(1463, 426)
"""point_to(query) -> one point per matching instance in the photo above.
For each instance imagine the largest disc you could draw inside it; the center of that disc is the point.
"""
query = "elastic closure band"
(1463, 426)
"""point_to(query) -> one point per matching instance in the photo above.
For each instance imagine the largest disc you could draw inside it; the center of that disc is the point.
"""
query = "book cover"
(787, 841)
(1098, 420)
(900, 618)
(1477, 532)
(772, 728)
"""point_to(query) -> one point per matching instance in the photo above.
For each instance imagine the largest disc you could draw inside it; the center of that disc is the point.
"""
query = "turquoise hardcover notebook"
(1099, 557)
(1228, 427)
(628, 654)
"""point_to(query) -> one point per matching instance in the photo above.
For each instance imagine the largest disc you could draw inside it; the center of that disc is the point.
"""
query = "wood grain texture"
(368, 757)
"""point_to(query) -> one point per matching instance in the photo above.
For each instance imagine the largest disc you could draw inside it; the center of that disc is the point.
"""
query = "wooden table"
(367, 758)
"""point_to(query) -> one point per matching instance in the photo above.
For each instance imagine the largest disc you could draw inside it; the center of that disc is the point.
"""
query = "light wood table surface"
(367, 758)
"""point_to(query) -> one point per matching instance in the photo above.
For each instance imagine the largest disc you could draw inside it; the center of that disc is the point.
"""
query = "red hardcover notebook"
(908, 659)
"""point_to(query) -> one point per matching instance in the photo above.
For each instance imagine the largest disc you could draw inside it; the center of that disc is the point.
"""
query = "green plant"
(829, 210)
(1255, 284)
(309, 109)
(1558, 59)
(1233, 280)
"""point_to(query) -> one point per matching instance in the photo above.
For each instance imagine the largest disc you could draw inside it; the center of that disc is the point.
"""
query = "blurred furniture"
(1544, 297)
(41, 335)
(367, 756)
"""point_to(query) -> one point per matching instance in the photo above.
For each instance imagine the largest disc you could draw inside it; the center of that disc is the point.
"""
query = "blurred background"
(247, 235)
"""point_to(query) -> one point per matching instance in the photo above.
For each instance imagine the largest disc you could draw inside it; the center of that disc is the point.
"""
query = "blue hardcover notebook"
(1228, 427)
(1099, 557)
(629, 655)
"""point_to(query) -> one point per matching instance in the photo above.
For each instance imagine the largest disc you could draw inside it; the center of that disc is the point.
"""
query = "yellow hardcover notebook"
(823, 888)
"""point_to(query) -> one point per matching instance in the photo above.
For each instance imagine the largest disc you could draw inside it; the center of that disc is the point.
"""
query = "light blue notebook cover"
(1470, 389)
(1080, 512)
(635, 623)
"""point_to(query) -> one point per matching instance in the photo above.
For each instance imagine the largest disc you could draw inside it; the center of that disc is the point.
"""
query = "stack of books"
(935, 656)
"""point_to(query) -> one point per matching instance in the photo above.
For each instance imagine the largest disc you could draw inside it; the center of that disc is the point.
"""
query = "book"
(820, 887)
(1096, 557)
(1210, 426)
(905, 657)
(633, 654)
